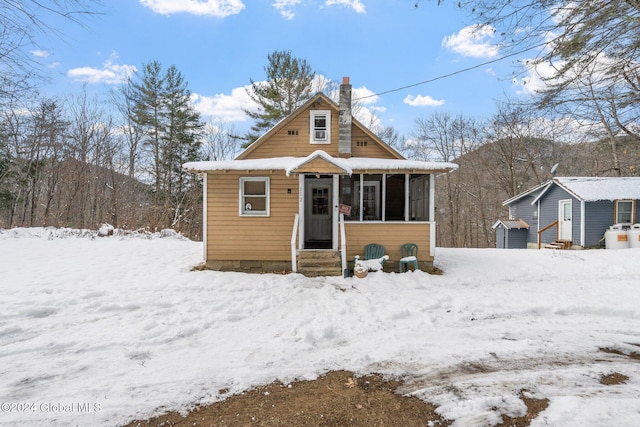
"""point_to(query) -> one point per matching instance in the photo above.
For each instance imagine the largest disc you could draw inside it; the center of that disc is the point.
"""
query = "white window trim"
(241, 208)
(312, 129)
(360, 195)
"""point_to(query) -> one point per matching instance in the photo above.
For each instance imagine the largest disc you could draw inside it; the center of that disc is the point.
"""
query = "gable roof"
(591, 189)
(285, 121)
(539, 187)
(293, 164)
(310, 163)
(587, 189)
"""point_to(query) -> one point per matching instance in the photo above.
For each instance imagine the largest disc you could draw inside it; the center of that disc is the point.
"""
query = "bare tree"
(220, 141)
(21, 25)
(445, 137)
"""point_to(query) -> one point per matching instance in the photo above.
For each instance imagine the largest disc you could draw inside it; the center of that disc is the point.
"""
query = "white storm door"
(565, 217)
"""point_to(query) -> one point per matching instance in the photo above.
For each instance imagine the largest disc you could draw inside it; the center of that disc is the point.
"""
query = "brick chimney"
(344, 119)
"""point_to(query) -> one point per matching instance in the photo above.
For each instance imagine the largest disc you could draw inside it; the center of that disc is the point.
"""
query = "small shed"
(511, 234)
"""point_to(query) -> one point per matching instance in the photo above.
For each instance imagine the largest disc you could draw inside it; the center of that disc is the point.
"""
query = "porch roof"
(349, 165)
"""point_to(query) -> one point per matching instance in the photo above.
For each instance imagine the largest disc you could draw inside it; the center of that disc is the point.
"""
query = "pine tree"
(288, 85)
(183, 128)
(148, 95)
(162, 106)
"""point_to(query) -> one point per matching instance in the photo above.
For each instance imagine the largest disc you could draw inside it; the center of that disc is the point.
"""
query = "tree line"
(502, 156)
(582, 118)
(81, 161)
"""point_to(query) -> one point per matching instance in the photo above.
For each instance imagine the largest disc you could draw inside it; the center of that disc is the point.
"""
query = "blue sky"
(219, 45)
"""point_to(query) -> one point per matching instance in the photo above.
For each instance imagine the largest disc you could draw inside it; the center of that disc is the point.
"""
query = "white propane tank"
(616, 238)
(634, 236)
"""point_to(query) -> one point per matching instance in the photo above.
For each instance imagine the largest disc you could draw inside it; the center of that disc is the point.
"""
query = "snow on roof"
(510, 224)
(532, 190)
(289, 164)
(591, 189)
(318, 154)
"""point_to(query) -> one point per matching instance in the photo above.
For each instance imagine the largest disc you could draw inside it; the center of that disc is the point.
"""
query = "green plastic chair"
(408, 255)
(373, 251)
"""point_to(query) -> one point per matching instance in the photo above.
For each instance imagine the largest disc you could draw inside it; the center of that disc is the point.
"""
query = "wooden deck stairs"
(314, 263)
(559, 244)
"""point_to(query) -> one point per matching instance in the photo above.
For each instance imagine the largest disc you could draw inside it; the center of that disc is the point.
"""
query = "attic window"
(292, 132)
(320, 127)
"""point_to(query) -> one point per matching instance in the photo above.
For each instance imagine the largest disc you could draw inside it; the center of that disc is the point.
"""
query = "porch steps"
(321, 262)
(559, 244)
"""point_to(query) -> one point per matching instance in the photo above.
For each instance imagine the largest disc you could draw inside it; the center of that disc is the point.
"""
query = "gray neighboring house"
(569, 212)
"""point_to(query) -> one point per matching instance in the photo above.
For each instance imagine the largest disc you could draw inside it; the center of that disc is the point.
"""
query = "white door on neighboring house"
(318, 209)
(565, 220)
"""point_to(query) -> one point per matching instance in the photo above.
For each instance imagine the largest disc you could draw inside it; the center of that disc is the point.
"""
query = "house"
(318, 185)
(570, 212)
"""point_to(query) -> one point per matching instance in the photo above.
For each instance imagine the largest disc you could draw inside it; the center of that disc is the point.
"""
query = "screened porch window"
(386, 197)
(254, 196)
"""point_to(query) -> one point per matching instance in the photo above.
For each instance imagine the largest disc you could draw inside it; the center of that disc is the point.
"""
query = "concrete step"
(559, 244)
(320, 271)
(315, 263)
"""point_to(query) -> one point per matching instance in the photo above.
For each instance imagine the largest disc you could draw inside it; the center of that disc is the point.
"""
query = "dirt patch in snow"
(336, 399)
(631, 355)
(614, 379)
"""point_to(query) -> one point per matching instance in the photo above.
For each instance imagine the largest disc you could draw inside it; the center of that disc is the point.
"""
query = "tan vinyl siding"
(235, 237)
(282, 144)
(292, 139)
(319, 165)
(362, 145)
(390, 235)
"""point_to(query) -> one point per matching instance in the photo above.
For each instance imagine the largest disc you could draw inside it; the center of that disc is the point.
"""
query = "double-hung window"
(254, 196)
(624, 211)
(320, 127)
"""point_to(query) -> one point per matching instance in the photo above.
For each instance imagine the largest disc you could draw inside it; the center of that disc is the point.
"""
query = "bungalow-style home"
(310, 193)
(569, 212)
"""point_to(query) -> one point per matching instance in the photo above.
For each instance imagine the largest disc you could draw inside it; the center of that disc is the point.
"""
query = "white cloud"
(40, 53)
(536, 77)
(473, 41)
(354, 4)
(422, 101)
(230, 108)
(110, 73)
(285, 7)
(218, 8)
(363, 95)
(226, 108)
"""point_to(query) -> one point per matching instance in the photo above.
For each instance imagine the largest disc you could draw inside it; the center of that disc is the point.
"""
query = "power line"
(444, 76)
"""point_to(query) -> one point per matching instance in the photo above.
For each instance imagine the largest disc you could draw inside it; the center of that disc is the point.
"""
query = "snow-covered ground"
(99, 331)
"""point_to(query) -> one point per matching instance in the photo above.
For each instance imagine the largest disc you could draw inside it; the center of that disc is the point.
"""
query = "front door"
(565, 215)
(318, 207)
